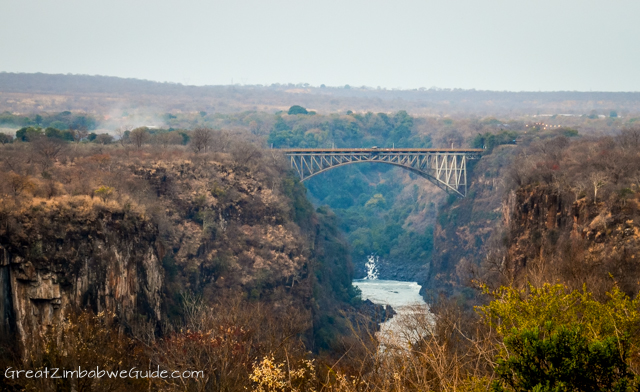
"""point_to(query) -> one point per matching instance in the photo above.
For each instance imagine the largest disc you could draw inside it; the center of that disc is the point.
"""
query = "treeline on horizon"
(137, 136)
(95, 93)
(63, 121)
(60, 83)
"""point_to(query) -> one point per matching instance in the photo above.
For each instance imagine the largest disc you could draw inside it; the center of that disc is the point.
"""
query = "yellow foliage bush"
(533, 307)
(104, 192)
(270, 376)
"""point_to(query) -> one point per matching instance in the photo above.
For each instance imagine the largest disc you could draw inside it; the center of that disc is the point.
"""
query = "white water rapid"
(413, 318)
(372, 268)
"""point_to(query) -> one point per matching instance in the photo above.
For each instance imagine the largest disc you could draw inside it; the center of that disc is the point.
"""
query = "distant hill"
(27, 93)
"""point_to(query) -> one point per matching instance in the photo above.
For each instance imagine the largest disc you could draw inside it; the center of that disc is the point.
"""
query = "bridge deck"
(348, 150)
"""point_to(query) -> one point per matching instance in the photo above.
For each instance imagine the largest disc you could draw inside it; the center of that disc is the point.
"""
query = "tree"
(254, 127)
(48, 148)
(53, 132)
(244, 152)
(5, 138)
(28, 134)
(630, 137)
(490, 140)
(104, 192)
(561, 340)
(167, 138)
(139, 136)
(578, 188)
(297, 109)
(79, 134)
(221, 141)
(123, 135)
(18, 184)
(201, 139)
(103, 139)
(452, 139)
(562, 359)
(82, 122)
(598, 180)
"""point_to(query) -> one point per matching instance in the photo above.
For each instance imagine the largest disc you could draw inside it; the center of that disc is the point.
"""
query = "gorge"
(199, 247)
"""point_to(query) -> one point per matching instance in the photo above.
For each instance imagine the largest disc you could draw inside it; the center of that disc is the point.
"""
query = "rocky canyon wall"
(73, 253)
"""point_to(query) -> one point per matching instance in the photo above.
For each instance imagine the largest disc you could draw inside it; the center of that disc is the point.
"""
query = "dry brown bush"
(456, 352)
(84, 341)
(227, 339)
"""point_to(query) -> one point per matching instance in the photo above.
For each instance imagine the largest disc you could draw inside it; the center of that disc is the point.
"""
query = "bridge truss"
(447, 168)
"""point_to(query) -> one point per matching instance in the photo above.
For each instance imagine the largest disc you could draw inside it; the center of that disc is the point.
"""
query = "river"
(413, 318)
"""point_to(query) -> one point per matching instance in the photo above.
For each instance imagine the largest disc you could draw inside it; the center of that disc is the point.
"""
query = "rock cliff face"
(73, 253)
(533, 234)
(158, 230)
(552, 238)
(222, 227)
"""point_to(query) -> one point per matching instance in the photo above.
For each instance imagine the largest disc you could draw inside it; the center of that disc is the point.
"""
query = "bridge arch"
(446, 168)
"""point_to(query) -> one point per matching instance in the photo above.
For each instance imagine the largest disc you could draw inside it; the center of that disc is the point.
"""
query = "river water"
(413, 318)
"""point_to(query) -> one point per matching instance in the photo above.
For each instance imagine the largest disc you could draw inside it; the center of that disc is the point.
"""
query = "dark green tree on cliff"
(297, 109)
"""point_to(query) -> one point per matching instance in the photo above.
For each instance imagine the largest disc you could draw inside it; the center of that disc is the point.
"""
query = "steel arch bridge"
(447, 168)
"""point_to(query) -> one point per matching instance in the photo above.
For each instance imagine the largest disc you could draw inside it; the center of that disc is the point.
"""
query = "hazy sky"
(483, 44)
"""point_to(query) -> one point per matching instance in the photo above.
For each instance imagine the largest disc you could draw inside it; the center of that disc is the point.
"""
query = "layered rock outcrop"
(72, 253)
